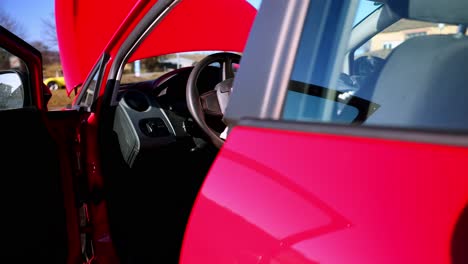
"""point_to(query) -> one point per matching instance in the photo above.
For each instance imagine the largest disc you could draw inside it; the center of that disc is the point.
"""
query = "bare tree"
(11, 24)
(50, 30)
(48, 56)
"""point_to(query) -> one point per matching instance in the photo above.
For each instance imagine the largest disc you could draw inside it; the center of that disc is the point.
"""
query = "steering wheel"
(211, 103)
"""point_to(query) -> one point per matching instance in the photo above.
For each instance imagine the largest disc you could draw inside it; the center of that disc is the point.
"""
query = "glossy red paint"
(102, 242)
(77, 60)
(190, 26)
(86, 28)
(313, 198)
(103, 247)
(104, 251)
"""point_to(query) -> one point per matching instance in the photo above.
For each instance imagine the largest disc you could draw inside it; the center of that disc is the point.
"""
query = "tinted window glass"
(408, 75)
(312, 109)
(365, 8)
(89, 91)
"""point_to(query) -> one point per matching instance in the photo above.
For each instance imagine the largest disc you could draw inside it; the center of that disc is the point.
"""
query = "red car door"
(39, 213)
(290, 188)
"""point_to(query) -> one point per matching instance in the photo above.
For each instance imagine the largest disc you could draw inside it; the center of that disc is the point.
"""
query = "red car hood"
(86, 28)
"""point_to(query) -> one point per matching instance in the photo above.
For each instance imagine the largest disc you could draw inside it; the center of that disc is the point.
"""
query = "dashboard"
(153, 114)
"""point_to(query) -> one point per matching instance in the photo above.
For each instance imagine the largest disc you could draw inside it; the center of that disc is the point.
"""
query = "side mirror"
(11, 90)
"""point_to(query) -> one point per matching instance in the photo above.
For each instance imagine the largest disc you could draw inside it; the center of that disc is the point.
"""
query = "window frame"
(97, 75)
(25, 80)
(32, 58)
(260, 88)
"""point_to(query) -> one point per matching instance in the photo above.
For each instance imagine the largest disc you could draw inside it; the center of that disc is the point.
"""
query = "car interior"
(161, 137)
(429, 65)
(158, 156)
(428, 50)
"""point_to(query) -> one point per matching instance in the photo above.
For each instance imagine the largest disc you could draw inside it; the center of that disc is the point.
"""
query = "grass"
(59, 99)
(51, 70)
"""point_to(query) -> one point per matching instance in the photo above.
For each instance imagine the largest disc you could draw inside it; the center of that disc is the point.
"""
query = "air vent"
(136, 100)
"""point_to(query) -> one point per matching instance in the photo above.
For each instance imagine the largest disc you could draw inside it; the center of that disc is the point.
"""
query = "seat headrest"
(424, 84)
(437, 11)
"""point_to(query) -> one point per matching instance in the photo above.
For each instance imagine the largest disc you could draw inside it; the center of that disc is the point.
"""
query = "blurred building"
(381, 44)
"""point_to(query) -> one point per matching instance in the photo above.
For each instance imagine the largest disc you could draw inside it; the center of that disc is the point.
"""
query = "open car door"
(298, 183)
(36, 150)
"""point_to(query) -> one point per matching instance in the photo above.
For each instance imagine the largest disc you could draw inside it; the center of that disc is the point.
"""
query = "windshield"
(155, 67)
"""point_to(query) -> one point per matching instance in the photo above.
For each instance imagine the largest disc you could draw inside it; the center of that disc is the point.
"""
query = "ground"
(60, 98)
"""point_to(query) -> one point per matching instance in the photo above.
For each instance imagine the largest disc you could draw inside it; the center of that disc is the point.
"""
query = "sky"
(255, 3)
(365, 8)
(30, 14)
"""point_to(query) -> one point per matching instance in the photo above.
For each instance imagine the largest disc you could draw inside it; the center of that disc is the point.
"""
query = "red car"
(341, 138)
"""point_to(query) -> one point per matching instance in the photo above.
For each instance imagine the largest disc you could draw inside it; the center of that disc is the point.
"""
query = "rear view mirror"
(11, 90)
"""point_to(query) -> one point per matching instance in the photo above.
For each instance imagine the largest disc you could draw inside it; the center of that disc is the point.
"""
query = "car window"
(89, 91)
(365, 8)
(12, 78)
(404, 95)
(384, 42)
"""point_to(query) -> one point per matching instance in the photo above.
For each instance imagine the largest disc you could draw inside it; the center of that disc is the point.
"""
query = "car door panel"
(35, 167)
(34, 218)
(64, 127)
(296, 198)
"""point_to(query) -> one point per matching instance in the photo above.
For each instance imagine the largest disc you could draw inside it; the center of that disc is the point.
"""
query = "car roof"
(86, 28)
